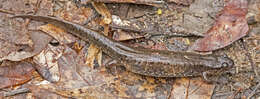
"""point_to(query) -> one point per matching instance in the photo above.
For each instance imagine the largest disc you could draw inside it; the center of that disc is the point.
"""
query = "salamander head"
(224, 62)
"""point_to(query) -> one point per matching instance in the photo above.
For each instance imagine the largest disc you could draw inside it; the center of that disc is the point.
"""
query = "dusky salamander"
(156, 63)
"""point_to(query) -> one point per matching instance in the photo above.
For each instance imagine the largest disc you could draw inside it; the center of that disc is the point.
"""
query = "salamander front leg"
(205, 76)
(114, 67)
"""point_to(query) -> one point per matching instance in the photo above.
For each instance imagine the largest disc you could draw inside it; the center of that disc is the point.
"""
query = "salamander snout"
(224, 61)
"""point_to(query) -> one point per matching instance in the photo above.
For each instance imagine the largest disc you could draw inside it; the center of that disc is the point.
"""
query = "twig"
(7, 12)
(171, 92)
(15, 92)
(234, 94)
(254, 91)
(217, 95)
(187, 90)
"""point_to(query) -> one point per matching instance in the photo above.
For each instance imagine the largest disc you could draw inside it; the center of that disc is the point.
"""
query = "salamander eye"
(224, 64)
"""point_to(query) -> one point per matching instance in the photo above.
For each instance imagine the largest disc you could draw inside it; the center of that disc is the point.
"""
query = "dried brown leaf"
(191, 89)
(71, 12)
(230, 26)
(47, 63)
(69, 78)
(20, 52)
(93, 52)
(13, 38)
(131, 25)
(15, 74)
(39, 93)
(123, 36)
(103, 10)
(183, 2)
(60, 35)
(18, 43)
(74, 77)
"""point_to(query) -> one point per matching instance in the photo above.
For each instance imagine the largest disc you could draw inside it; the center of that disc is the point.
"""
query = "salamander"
(148, 62)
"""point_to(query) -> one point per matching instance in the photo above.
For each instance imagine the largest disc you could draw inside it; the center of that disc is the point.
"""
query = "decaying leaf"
(57, 33)
(72, 79)
(185, 89)
(123, 36)
(130, 25)
(151, 28)
(86, 92)
(103, 10)
(183, 2)
(93, 53)
(15, 38)
(39, 93)
(77, 80)
(47, 65)
(17, 53)
(230, 26)
(15, 74)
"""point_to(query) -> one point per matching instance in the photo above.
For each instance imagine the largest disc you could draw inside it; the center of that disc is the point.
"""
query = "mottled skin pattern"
(144, 61)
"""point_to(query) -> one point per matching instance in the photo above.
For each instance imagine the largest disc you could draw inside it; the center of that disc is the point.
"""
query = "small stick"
(7, 12)
(254, 91)
(15, 92)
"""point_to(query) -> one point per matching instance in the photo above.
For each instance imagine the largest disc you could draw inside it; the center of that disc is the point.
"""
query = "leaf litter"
(230, 25)
(78, 80)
